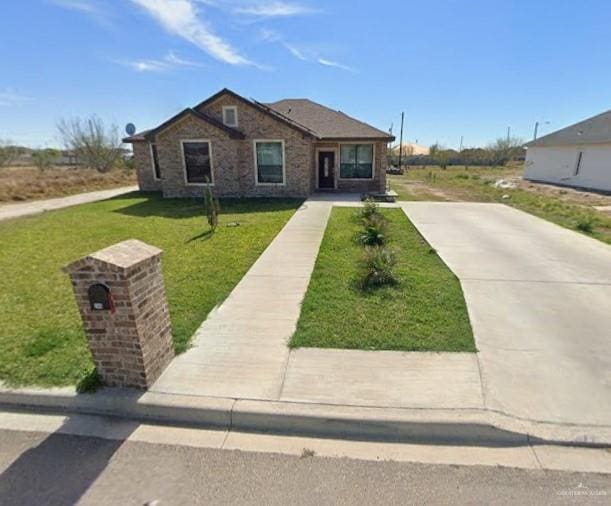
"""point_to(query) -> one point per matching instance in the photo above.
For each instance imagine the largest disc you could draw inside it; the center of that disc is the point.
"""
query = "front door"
(326, 169)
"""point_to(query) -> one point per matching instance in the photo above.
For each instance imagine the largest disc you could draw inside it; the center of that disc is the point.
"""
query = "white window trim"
(373, 162)
(155, 178)
(184, 162)
(254, 153)
(235, 111)
(335, 169)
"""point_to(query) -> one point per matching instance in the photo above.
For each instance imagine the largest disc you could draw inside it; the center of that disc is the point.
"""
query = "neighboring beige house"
(242, 147)
(578, 155)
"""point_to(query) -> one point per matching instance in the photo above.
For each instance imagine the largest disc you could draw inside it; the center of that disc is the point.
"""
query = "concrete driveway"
(539, 299)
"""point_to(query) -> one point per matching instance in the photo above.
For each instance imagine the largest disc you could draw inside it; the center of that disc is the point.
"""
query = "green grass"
(476, 185)
(41, 336)
(425, 312)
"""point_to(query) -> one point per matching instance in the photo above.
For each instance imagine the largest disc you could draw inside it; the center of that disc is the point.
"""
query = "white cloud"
(275, 9)
(173, 59)
(180, 17)
(169, 62)
(329, 63)
(8, 98)
(297, 53)
(86, 7)
(75, 5)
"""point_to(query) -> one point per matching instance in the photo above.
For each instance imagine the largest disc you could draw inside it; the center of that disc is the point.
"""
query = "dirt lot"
(585, 211)
(18, 184)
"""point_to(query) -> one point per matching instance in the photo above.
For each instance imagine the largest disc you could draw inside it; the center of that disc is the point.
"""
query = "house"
(578, 155)
(289, 148)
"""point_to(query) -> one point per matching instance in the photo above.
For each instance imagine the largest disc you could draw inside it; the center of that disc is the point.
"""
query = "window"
(269, 162)
(155, 161)
(356, 161)
(230, 115)
(197, 160)
(578, 164)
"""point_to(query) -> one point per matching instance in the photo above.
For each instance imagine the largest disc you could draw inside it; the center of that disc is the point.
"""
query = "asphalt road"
(57, 469)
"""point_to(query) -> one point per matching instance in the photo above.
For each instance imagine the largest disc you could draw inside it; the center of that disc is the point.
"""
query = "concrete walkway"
(9, 211)
(241, 350)
(539, 299)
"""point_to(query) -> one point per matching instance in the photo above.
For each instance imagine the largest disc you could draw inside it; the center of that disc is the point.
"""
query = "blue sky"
(468, 68)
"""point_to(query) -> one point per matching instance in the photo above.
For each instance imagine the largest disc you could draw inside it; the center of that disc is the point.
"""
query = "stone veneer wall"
(144, 167)
(131, 345)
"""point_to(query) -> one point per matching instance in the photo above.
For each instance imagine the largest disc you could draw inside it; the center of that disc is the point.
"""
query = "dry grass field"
(23, 183)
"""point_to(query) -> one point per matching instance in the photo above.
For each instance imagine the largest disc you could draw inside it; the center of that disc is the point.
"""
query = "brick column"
(121, 297)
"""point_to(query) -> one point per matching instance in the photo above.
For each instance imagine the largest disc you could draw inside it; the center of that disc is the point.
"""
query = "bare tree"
(504, 149)
(8, 153)
(92, 143)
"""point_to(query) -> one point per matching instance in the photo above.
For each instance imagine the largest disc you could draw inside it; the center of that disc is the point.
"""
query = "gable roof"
(309, 118)
(594, 130)
(326, 122)
(145, 135)
(257, 105)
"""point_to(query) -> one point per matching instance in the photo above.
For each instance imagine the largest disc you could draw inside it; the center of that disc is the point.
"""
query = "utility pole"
(461, 143)
(401, 141)
(508, 133)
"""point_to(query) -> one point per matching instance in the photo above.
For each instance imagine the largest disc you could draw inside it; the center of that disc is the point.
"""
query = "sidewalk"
(9, 211)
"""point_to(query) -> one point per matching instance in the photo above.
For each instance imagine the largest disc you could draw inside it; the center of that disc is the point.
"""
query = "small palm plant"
(378, 265)
(374, 230)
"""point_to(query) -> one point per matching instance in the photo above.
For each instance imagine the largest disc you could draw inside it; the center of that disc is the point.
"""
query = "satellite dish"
(130, 128)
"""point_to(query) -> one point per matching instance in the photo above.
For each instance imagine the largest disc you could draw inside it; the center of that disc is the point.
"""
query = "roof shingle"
(325, 122)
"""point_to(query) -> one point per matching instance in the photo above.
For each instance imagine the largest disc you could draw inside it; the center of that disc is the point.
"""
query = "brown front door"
(326, 169)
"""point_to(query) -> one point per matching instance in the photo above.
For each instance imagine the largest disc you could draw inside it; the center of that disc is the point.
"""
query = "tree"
(92, 143)
(44, 158)
(504, 149)
(439, 155)
(8, 153)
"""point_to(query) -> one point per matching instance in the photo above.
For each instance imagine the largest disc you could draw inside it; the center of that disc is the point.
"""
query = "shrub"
(374, 231)
(378, 265)
(44, 159)
(211, 208)
(370, 208)
(585, 224)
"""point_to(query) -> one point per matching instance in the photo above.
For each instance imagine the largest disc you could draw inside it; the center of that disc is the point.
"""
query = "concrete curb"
(436, 426)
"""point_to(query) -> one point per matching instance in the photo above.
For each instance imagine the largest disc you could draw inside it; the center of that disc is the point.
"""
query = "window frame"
(256, 164)
(235, 111)
(158, 168)
(184, 161)
(373, 161)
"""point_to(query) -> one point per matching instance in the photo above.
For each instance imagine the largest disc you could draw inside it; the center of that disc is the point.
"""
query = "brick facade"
(131, 343)
(233, 160)
(144, 167)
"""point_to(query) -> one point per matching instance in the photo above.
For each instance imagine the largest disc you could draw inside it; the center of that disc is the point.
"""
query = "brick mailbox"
(121, 297)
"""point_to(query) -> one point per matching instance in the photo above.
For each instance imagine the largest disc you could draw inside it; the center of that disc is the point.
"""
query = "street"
(58, 469)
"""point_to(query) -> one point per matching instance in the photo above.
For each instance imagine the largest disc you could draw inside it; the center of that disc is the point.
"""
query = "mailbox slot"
(100, 298)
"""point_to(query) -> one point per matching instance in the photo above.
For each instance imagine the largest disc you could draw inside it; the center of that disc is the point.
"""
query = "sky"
(456, 68)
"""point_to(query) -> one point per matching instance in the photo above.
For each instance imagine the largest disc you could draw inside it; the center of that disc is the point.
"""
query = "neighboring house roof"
(409, 148)
(327, 123)
(595, 130)
(310, 118)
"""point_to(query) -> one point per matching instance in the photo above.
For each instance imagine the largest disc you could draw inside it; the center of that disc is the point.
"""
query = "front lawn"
(41, 338)
(425, 311)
